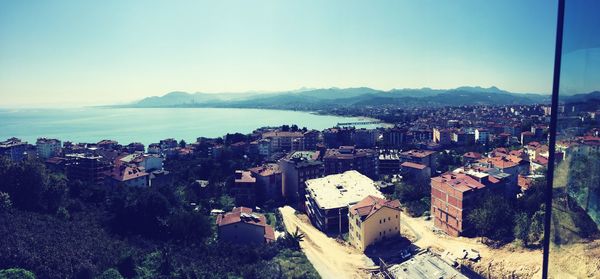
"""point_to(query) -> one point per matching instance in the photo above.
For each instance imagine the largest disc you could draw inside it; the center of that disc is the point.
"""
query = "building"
(348, 158)
(424, 266)
(462, 138)
(242, 226)
(282, 141)
(47, 148)
(527, 137)
(373, 219)
(296, 168)
(268, 180)
(389, 162)
(423, 157)
(365, 138)
(244, 188)
(442, 136)
(415, 173)
(129, 176)
(394, 137)
(14, 149)
(311, 139)
(86, 168)
(328, 198)
(471, 157)
(482, 135)
(453, 195)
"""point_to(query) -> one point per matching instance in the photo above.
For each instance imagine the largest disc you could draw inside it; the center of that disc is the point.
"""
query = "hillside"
(314, 99)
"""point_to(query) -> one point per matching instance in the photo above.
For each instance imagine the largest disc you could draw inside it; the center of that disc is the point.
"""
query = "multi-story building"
(282, 141)
(453, 196)
(415, 173)
(268, 180)
(296, 168)
(423, 157)
(373, 219)
(242, 226)
(244, 188)
(86, 168)
(14, 149)
(348, 158)
(328, 198)
(394, 137)
(527, 137)
(365, 138)
(311, 139)
(482, 135)
(442, 136)
(47, 148)
(389, 162)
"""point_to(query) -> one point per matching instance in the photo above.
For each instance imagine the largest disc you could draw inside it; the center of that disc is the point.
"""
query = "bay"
(148, 125)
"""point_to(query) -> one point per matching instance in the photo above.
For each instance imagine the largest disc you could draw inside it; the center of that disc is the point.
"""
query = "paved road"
(330, 258)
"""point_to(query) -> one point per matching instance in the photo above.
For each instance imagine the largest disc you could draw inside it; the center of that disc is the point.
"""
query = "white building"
(328, 198)
(47, 148)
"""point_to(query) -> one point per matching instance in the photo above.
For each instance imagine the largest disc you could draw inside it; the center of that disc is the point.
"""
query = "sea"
(149, 125)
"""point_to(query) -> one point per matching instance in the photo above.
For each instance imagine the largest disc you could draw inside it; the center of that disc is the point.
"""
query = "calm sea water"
(149, 125)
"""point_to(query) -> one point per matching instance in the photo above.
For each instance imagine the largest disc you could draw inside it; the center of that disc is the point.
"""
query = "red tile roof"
(413, 165)
(371, 204)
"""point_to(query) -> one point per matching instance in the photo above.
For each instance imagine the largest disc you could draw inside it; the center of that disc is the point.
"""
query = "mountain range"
(315, 99)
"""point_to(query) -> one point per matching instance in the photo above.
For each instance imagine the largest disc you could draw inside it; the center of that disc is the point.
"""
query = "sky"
(66, 52)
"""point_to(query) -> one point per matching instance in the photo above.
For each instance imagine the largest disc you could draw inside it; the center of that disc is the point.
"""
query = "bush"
(16, 273)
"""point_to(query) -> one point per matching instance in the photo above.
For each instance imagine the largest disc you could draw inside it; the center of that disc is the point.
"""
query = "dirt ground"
(333, 259)
(330, 258)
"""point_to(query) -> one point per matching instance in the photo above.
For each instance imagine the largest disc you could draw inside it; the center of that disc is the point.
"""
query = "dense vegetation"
(57, 228)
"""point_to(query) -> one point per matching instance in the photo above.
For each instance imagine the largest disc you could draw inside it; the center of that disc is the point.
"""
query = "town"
(439, 191)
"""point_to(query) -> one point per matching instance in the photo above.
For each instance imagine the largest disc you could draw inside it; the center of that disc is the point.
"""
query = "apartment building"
(453, 195)
(297, 168)
(347, 158)
(47, 148)
(328, 198)
(423, 157)
(268, 182)
(373, 219)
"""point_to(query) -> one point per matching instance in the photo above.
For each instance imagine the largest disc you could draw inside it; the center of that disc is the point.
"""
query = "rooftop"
(425, 265)
(371, 204)
(340, 190)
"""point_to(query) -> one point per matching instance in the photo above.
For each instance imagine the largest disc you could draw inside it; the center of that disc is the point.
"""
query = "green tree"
(5, 203)
(521, 230)
(110, 274)
(16, 273)
(492, 217)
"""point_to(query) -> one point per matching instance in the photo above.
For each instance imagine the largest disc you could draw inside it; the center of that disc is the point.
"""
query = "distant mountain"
(314, 99)
(581, 98)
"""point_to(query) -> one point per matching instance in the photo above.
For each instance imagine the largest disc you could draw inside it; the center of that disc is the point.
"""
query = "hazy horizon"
(71, 53)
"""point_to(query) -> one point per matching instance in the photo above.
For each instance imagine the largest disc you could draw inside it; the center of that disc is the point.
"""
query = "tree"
(16, 273)
(292, 240)
(182, 143)
(521, 230)
(110, 273)
(492, 217)
(5, 203)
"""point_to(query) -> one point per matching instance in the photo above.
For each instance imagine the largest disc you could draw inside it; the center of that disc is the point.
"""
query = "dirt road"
(329, 257)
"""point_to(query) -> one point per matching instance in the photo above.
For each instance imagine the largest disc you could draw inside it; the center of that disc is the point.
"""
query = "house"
(373, 219)
(471, 157)
(328, 198)
(242, 226)
(130, 176)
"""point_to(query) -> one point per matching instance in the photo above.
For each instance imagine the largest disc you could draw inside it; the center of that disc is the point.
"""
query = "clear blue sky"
(98, 52)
